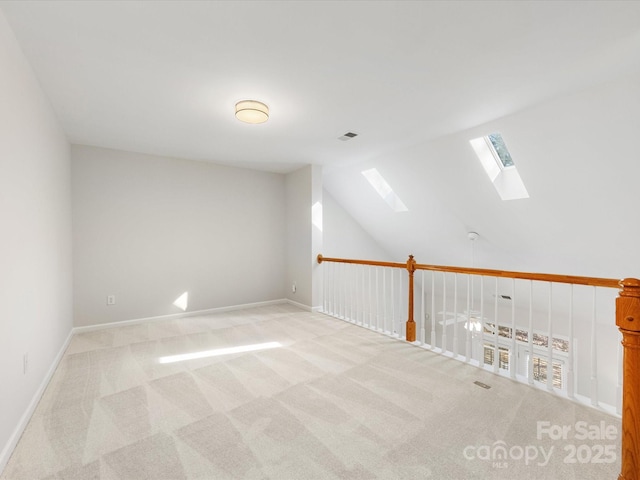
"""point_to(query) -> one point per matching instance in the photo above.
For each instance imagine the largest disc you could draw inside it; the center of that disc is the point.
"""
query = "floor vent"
(503, 297)
(483, 385)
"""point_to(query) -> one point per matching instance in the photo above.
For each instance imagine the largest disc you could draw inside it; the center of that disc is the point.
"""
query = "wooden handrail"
(542, 277)
(627, 320)
(361, 262)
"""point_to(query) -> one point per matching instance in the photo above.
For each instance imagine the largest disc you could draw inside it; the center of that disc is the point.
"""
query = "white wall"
(147, 229)
(345, 238)
(298, 240)
(317, 235)
(35, 245)
(304, 238)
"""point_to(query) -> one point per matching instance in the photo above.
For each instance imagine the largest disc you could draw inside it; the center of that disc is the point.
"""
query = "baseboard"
(174, 316)
(26, 416)
(299, 305)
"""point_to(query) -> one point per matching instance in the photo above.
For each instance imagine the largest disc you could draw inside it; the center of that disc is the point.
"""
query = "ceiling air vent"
(347, 136)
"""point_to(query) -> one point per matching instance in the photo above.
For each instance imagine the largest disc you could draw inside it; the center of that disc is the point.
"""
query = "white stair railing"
(369, 296)
(545, 331)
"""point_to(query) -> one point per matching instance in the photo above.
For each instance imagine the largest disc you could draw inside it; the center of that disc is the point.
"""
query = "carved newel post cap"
(628, 307)
(630, 287)
(411, 264)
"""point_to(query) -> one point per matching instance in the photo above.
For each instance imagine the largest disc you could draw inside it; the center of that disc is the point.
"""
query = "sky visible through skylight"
(500, 148)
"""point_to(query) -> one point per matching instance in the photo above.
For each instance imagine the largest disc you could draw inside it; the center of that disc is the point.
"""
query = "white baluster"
(324, 288)
(496, 355)
(550, 342)
(594, 355)
(393, 303)
(482, 323)
(370, 302)
(377, 300)
(513, 362)
(444, 312)
(359, 298)
(352, 280)
(423, 337)
(530, 335)
(433, 310)
(468, 324)
(340, 289)
(347, 292)
(570, 357)
(401, 302)
(334, 292)
(328, 284)
(455, 315)
(365, 304)
(384, 299)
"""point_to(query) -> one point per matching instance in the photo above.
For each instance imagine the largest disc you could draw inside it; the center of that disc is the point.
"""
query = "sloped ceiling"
(578, 158)
(415, 80)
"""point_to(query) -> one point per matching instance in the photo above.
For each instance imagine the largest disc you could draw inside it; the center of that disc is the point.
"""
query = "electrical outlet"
(111, 299)
(25, 363)
(293, 287)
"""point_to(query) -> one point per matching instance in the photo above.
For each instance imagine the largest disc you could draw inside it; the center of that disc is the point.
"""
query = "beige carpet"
(335, 401)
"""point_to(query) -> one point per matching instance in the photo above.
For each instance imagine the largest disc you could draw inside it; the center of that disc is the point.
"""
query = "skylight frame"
(505, 179)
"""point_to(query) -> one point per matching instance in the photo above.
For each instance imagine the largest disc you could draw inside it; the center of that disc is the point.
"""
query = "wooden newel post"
(411, 324)
(628, 321)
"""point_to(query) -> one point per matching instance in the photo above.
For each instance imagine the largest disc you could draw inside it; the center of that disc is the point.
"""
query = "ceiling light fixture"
(252, 111)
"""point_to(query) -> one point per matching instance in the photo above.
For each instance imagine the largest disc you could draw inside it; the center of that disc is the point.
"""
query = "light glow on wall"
(182, 301)
(316, 215)
(381, 186)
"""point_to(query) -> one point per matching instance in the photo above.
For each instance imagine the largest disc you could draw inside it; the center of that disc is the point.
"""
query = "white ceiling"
(162, 77)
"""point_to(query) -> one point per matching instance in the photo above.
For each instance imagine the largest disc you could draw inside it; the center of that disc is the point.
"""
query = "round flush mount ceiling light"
(252, 111)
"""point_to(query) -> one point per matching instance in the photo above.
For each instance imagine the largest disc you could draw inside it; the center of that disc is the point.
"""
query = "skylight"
(381, 186)
(500, 150)
(496, 160)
